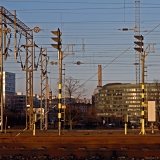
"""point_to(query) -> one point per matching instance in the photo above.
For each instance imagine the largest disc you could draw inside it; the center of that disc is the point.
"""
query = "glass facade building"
(117, 99)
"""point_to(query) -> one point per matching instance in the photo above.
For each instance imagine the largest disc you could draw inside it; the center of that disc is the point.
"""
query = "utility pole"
(58, 46)
(64, 100)
(143, 56)
(140, 50)
(144, 104)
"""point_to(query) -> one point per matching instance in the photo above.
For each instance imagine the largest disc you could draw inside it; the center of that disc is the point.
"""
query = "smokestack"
(99, 76)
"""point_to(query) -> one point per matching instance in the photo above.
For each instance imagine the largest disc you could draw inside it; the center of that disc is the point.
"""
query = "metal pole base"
(152, 131)
(59, 128)
(142, 128)
(125, 129)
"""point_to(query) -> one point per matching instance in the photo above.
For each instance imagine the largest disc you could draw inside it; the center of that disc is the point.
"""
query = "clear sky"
(93, 27)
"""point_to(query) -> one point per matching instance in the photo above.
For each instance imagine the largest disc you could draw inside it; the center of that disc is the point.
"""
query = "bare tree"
(91, 118)
(73, 115)
(75, 90)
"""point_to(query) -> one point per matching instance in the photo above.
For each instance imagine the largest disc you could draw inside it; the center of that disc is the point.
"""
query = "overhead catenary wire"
(103, 50)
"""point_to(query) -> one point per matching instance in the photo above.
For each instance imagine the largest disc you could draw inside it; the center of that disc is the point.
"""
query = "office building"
(117, 99)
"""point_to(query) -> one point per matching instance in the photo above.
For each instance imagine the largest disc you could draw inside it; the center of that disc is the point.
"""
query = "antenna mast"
(137, 33)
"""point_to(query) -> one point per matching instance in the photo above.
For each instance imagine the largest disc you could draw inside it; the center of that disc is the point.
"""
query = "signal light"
(57, 39)
(139, 43)
(139, 38)
(50, 98)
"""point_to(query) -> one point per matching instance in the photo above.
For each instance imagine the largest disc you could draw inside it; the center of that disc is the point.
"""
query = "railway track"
(135, 145)
(82, 152)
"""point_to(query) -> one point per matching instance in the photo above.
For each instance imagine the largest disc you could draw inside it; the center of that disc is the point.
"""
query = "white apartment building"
(9, 86)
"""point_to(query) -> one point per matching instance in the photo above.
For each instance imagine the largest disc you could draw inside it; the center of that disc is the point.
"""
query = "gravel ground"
(72, 157)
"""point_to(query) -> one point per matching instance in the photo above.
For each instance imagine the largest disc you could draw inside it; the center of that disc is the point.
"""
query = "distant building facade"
(9, 86)
(117, 99)
(18, 102)
(84, 100)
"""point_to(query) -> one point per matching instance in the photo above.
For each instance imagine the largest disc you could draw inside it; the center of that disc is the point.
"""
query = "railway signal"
(58, 46)
(50, 99)
(57, 39)
(139, 44)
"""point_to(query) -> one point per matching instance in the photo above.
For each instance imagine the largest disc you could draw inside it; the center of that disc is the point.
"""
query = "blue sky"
(92, 27)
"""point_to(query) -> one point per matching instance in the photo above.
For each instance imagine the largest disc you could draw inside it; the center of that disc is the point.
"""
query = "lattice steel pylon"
(137, 33)
(19, 27)
(1, 71)
(5, 18)
(44, 59)
(29, 67)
